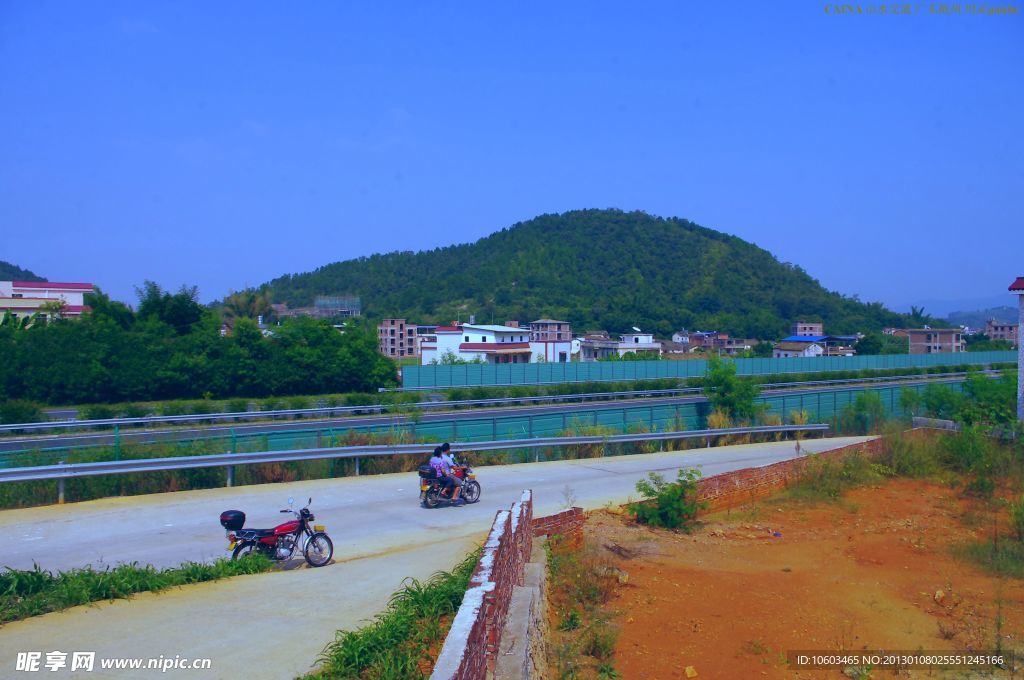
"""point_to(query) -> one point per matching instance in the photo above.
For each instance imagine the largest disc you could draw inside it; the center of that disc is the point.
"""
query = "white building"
(784, 350)
(596, 348)
(25, 298)
(493, 345)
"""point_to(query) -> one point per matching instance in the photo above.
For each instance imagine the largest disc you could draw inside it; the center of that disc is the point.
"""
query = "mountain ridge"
(597, 269)
(12, 272)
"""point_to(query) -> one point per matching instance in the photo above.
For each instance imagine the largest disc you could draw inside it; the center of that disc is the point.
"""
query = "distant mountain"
(10, 272)
(604, 269)
(944, 308)
(977, 318)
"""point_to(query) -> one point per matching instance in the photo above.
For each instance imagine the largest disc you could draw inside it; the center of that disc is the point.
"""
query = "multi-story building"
(996, 330)
(27, 298)
(807, 328)
(551, 340)
(490, 344)
(931, 340)
(396, 338)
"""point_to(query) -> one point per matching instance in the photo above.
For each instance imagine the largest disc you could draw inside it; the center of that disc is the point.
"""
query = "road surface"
(274, 625)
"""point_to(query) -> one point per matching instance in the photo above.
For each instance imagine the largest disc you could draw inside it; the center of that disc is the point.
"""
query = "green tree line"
(172, 348)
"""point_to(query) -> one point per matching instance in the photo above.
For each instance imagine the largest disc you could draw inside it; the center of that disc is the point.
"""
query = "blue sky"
(224, 144)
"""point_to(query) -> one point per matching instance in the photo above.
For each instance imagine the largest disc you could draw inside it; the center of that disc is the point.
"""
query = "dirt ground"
(873, 572)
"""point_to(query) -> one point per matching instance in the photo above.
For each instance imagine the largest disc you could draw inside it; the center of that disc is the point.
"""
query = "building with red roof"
(28, 298)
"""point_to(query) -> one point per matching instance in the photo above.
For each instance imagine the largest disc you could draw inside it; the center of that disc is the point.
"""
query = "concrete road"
(274, 625)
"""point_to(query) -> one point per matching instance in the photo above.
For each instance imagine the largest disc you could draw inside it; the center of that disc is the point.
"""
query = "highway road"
(139, 435)
(274, 625)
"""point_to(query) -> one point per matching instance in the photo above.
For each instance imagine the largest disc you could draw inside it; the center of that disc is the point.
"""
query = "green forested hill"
(10, 272)
(597, 269)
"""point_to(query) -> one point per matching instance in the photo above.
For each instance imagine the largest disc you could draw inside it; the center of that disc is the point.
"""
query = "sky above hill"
(224, 144)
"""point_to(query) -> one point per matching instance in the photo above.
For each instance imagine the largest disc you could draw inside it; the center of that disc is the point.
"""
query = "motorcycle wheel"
(471, 491)
(432, 498)
(243, 549)
(319, 550)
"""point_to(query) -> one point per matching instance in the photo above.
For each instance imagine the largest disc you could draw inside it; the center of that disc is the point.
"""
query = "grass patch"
(581, 580)
(827, 479)
(1005, 558)
(402, 641)
(27, 593)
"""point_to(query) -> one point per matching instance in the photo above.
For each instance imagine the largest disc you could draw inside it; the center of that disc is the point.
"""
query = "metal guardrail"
(74, 470)
(429, 405)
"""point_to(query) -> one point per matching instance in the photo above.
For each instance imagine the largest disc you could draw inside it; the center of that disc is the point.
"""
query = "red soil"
(873, 572)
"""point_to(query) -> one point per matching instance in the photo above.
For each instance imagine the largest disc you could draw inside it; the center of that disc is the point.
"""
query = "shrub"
(827, 479)
(172, 408)
(571, 621)
(599, 641)
(670, 505)
(134, 411)
(238, 406)
(908, 457)
(1017, 517)
(15, 411)
(98, 412)
(271, 404)
(980, 487)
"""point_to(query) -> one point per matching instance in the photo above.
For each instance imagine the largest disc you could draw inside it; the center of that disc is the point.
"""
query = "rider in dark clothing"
(444, 473)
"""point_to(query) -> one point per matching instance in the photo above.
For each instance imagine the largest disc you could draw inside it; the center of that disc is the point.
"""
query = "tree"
(762, 350)
(247, 304)
(53, 309)
(869, 344)
(180, 311)
(727, 393)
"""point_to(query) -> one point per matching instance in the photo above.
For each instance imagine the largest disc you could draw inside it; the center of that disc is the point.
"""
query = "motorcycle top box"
(232, 520)
(427, 472)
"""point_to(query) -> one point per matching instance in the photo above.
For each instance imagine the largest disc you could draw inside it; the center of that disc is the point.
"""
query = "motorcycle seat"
(255, 533)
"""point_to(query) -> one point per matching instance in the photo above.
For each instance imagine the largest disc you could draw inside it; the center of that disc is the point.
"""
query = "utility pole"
(1017, 288)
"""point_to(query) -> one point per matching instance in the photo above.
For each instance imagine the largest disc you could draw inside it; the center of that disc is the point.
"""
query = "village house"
(500, 344)
(43, 298)
(996, 330)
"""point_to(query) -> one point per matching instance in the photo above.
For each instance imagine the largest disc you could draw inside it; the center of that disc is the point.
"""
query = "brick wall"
(730, 489)
(477, 625)
(568, 523)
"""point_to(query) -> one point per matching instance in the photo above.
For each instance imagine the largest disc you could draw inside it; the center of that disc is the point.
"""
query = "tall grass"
(31, 592)
(827, 479)
(403, 640)
(582, 581)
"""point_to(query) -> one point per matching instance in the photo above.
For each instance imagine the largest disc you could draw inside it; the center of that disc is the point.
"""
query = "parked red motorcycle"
(433, 492)
(281, 542)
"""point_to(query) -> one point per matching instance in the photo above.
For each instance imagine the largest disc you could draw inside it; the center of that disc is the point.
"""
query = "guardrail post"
(231, 473)
(357, 466)
(117, 442)
(60, 487)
